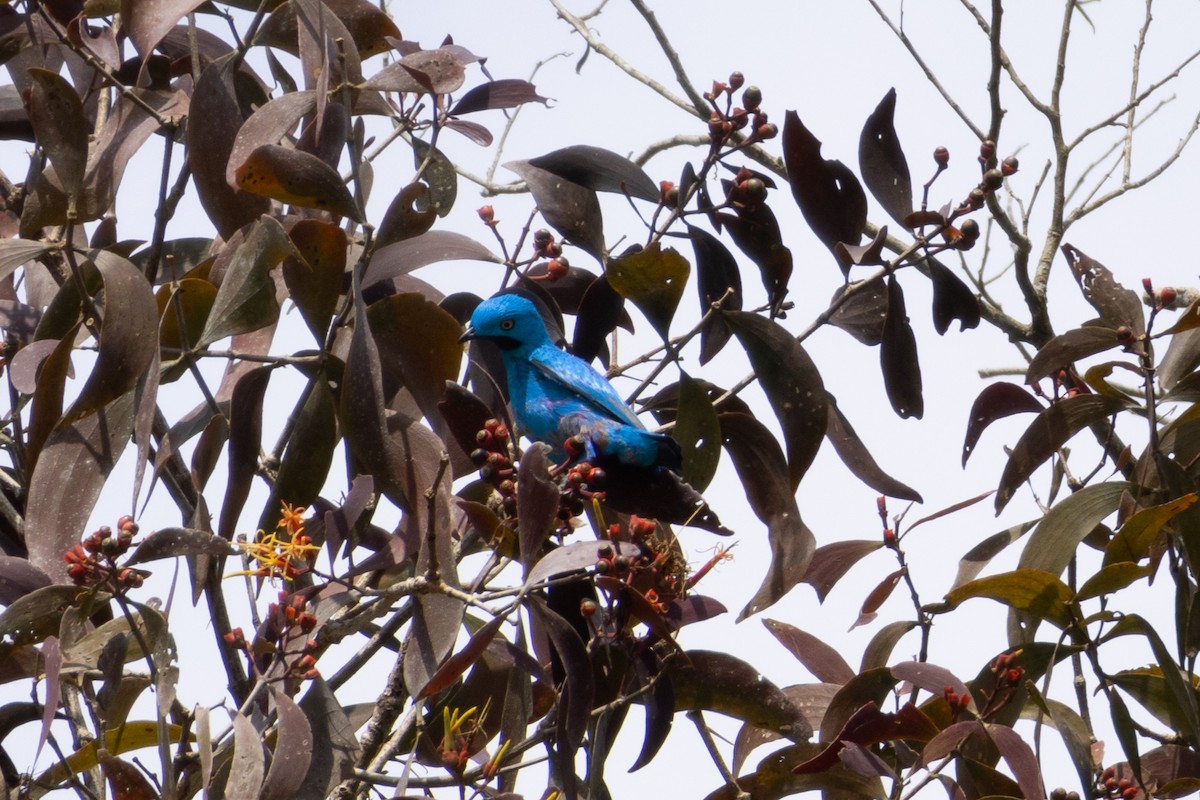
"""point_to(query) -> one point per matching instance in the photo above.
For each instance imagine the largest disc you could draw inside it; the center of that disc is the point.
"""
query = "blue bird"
(556, 395)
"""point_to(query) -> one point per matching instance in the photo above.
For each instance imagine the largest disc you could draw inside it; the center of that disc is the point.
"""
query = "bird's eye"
(506, 325)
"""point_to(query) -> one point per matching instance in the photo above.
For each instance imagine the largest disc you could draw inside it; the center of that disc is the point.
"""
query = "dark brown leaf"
(409, 215)
(659, 494)
(756, 233)
(18, 578)
(418, 342)
(862, 314)
(898, 357)
(952, 299)
(1067, 348)
(245, 299)
(830, 197)
(760, 465)
(599, 170)
(1046, 434)
(830, 562)
(709, 680)
(995, 402)
(335, 748)
(822, 660)
(504, 93)
(600, 312)
(402, 258)
(716, 274)
(877, 597)
(453, 668)
(792, 384)
(304, 466)
(1116, 305)
(881, 159)
(698, 432)
(868, 725)
(854, 454)
(58, 120)
(268, 125)
(293, 751)
(575, 701)
(173, 542)
(568, 207)
(368, 26)
(314, 274)
(862, 255)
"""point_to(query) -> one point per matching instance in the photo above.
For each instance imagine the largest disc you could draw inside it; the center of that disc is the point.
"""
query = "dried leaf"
(268, 125)
(440, 71)
(1116, 305)
(876, 598)
(296, 177)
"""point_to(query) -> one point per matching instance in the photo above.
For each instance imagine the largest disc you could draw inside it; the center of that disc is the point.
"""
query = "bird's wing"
(579, 378)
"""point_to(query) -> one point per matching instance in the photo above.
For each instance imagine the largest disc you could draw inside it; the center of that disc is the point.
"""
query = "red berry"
(941, 156)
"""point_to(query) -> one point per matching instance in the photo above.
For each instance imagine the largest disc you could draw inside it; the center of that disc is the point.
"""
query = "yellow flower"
(283, 553)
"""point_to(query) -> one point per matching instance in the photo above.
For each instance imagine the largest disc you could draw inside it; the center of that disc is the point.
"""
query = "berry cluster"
(494, 459)
(546, 246)
(286, 622)
(1008, 677)
(582, 484)
(1062, 794)
(92, 562)
(1112, 787)
(958, 702)
(726, 119)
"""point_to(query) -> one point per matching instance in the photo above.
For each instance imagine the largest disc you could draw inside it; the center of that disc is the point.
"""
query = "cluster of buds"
(93, 561)
(459, 728)
(726, 118)
(1062, 794)
(1006, 671)
(1166, 297)
(958, 702)
(748, 189)
(287, 621)
(1112, 787)
(493, 457)
(546, 246)
(581, 483)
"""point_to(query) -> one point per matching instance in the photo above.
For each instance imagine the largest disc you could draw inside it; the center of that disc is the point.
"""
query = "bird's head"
(509, 320)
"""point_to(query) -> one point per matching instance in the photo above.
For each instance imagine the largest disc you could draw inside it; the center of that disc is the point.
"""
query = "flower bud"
(941, 156)
(736, 79)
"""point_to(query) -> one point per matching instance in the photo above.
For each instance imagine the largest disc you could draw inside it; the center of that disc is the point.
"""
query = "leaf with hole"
(881, 159)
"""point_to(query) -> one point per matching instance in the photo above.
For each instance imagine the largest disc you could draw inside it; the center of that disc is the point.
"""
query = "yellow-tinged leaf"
(122, 739)
(653, 279)
(1112, 578)
(1188, 320)
(1031, 591)
(1096, 377)
(1133, 541)
(293, 176)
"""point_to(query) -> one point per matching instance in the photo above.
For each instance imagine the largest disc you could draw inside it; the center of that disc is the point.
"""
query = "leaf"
(246, 769)
(571, 209)
(698, 432)
(831, 562)
(574, 557)
(877, 597)
(978, 556)
(995, 402)
(1052, 429)
(1031, 591)
(822, 660)
(125, 780)
(439, 71)
(716, 275)
(599, 170)
(575, 700)
(830, 197)
(537, 503)
(403, 257)
(792, 384)
(1133, 541)
(439, 174)
(756, 233)
(213, 123)
(952, 299)
(268, 125)
(1074, 732)
(314, 273)
(453, 668)
(127, 338)
(410, 214)
(898, 357)
(878, 651)
(296, 177)
(368, 26)
(503, 93)
(117, 740)
(175, 542)
(245, 299)
(1065, 349)
(61, 128)
(31, 618)
(868, 725)
(183, 309)
(599, 314)
(882, 162)
(71, 470)
(150, 20)
(335, 747)
(1116, 305)
(869, 254)
(854, 454)
(1112, 578)
(659, 494)
(709, 680)
(760, 467)
(1183, 693)
(16, 252)
(418, 341)
(653, 279)
(293, 751)
(304, 466)
(18, 578)
(1053, 543)
(862, 314)
(1020, 759)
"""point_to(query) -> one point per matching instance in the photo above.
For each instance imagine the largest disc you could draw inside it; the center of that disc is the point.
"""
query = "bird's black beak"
(468, 334)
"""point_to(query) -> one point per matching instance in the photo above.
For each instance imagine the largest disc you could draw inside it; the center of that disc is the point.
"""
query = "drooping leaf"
(15, 252)
(862, 314)
(292, 753)
(410, 214)
(868, 725)
(653, 279)
(756, 233)
(830, 197)
(1116, 305)
(878, 651)
(1133, 541)
(245, 299)
(306, 460)
(247, 768)
(173, 542)
(72, 469)
(952, 299)
(503, 93)
(335, 748)
(183, 310)
(881, 159)
(537, 503)
(1052, 429)
(314, 274)
(293, 176)
(659, 494)
(367, 24)
(877, 597)
(1066, 348)
(269, 124)
(575, 701)
(58, 120)
(1182, 692)
(403, 257)
(418, 342)
(995, 402)
(599, 170)
(871, 686)
(709, 680)
(716, 274)
(1031, 591)
(698, 432)
(822, 660)
(1021, 759)
(860, 255)
(971, 564)
(600, 312)
(760, 466)
(792, 384)
(854, 454)
(898, 357)
(48, 384)
(1112, 578)
(570, 208)
(439, 175)
(830, 563)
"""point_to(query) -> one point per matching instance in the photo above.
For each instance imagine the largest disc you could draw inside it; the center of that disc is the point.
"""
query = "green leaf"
(698, 433)
(1046, 434)
(1112, 578)
(792, 384)
(709, 680)
(653, 279)
(1053, 543)
(1133, 540)
(1183, 693)
(1035, 592)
